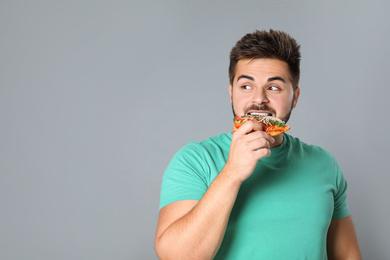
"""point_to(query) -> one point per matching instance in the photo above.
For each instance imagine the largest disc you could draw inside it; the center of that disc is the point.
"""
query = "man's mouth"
(258, 114)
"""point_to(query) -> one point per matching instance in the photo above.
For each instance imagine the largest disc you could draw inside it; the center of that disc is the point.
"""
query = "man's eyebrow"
(246, 77)
(276, 78)
(253, 79)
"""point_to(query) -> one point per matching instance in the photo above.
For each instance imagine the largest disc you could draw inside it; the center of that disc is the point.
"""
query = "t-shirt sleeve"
(341, 209)
(185, 176)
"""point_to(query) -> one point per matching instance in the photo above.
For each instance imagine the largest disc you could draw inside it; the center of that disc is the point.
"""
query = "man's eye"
(247, 87)
(273, 88)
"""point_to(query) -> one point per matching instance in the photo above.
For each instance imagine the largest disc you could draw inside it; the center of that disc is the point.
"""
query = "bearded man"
(248, 195)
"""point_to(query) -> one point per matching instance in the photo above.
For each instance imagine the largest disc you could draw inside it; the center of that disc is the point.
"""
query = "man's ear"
(231, 92)
(296, 96)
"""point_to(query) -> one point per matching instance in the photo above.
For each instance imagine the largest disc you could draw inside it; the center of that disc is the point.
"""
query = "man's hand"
(249, 144)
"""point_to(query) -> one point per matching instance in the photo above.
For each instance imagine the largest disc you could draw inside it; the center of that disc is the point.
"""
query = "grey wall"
(97, 96)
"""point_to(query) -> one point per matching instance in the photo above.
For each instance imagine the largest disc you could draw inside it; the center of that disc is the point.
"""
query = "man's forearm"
(199, 233)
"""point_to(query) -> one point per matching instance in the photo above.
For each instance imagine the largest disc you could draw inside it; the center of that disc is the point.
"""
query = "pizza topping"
(272, 125)
(270, 120)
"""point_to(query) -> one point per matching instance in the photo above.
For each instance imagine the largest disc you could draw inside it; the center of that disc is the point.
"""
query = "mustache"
(260, 107)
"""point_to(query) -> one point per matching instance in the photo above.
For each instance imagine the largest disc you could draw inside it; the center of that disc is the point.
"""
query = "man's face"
(263, 86)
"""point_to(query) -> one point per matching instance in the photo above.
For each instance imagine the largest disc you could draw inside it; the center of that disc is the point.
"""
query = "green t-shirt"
(282, 211)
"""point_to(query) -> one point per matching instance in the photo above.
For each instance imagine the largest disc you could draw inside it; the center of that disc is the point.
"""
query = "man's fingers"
(261, 153)
(252, 133)
(259, 144)
(260, 134)
(249, 126)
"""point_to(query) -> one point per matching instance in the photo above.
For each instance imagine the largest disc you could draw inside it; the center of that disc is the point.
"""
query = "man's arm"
(342, 242)
(194, 229)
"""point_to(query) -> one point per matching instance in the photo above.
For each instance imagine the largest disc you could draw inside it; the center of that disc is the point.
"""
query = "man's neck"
(278, 141)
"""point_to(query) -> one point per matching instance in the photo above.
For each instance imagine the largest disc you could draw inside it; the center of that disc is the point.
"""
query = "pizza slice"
(271, 125)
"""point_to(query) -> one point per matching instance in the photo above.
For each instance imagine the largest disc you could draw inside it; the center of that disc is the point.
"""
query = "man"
(247, 195)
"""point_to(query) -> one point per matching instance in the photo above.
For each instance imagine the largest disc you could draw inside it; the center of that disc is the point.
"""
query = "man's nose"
(260, 97)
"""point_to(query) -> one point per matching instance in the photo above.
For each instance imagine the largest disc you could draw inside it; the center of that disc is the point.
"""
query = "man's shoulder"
(210, 145)
(219, 140)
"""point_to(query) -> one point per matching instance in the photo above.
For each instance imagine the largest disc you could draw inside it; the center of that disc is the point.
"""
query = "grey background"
(97, 96)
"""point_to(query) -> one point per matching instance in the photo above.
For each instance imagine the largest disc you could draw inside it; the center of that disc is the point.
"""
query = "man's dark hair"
(267, 45)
